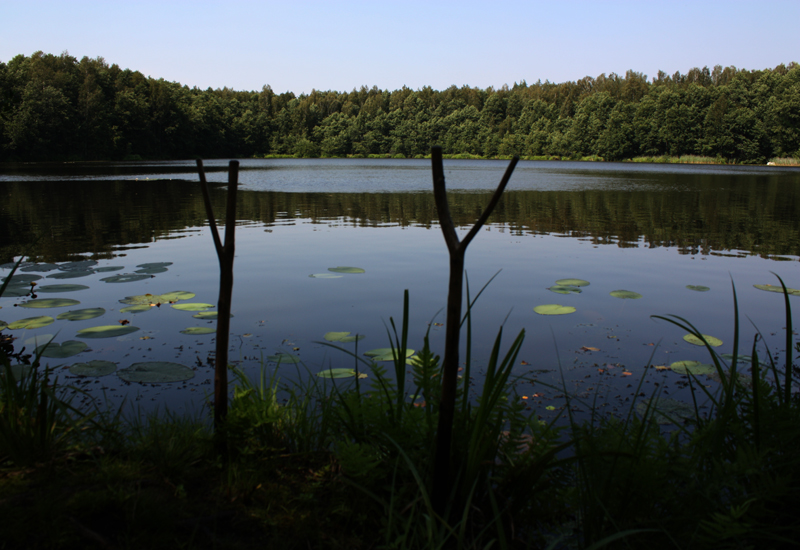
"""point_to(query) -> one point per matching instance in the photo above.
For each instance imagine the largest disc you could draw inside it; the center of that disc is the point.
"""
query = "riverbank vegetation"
(56, 107)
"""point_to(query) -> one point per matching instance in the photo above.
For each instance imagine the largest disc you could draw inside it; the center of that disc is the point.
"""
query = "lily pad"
(194, 306)
(31, 322)
(136, 309)
(565, 289)
(81, 314)
(692, 339)
(70, 274)
(50, 302)
(325, 276)
(345, 269)
(155, 265)
(284, 358)
(82, 265)
(340, 373)
(107, 331)
(553, 309)
(66, 349)
(210, 315)
(178, 295)
(20, 278)
(16, 291)
(156, 372)
(109, 268)
(17, 371)
(778, 288)
(667, 410)
(572, 282)
(386, 354)
(625, 294)
(61, 288)
(698, 288)
(692, 367)
(199, 330)
(125, 278)
(42, 268)
(93, 368)
(342, 337)
(3, 325)
(144, 300)
(151, 270)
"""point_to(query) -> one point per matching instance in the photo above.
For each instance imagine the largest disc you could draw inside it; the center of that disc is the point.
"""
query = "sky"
(297, 46)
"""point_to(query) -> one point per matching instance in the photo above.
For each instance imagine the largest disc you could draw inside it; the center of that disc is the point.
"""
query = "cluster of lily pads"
(575, 286)
(335, 272)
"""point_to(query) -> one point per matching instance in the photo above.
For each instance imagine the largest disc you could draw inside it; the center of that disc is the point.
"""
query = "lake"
(649, 229)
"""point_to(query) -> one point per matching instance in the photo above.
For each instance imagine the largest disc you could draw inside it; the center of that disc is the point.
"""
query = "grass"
(785, 161)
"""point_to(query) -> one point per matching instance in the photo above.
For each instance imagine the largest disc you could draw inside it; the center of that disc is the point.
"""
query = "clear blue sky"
(297, 46)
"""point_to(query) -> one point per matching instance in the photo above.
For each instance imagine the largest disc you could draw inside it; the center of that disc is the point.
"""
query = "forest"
(59, 108)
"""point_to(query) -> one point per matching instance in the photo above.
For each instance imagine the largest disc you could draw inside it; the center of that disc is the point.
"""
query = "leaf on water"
(340, 373)
(93, 368)
(155, 265)
(572, 282)
(778, 288)
(31, 323)
(209, 315)
(107, 331)
(82, 265)
(3, 325)
(692, 339)
(348, 339)
(589, 348)
(61, 288)
(20, 278)
(625, 294)
(698, 288)
(553, 309)
(156, 372)
(65, 349)
(125, 278)
(70, 274)
(136, 309)
(199, 330)
(666, 410)
(16, 291)
(284, 358)
(345, 269)
(195, 306)
(81, 314)
(178, 295)
(151, 270)
(565, 289)
(325, 276)
(109, 269)
(692, 367)
(386, 354)
(50, 302)
(42, 268)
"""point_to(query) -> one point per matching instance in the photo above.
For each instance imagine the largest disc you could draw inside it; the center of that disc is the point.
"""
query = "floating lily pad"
(625, 294)
(666, 410)
(745, 380)
(136, 309)
(199, 330)
(42, 268)
(386, 354)
(177, 296)
(70, 274)
(553, 309)
(16, 291)
(151, 270)
(50, 302)
(572, 282)
(109, 268)
(61, 288)
(107, 331)
(93, 368)
(144, 300)
(81, 314)
(3, 325)
(82, 265)
(284, 358)
(154, 265)
(693, 367)
(340, 373)
(692, 339)
(325, 276)
(65, 349)
(31, 322)
(20, 278)
(778, 288)
(209, 315)
(125, 278)
(741, 359)
(565, 289)
(345, 269)
(196, 306)
(17, 371)
(698, 288)
(342, 337)
(156, 372)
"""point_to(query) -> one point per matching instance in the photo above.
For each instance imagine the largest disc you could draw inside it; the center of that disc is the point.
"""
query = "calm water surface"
(651, 229)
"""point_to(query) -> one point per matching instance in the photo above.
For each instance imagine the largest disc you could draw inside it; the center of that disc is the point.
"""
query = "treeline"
(55, 107)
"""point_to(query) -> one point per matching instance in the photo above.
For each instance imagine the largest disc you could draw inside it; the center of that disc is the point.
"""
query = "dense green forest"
(55, 107)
